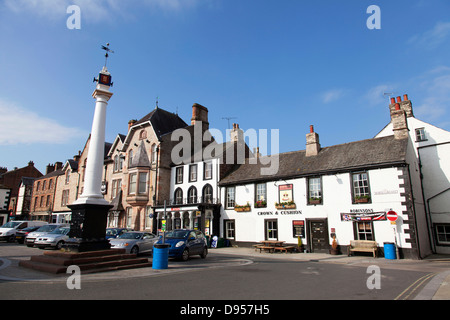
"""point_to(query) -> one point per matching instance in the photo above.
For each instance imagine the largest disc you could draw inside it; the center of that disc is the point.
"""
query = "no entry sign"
(392, 216)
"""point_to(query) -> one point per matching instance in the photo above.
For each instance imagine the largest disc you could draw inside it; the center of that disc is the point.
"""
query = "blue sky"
(269, 64)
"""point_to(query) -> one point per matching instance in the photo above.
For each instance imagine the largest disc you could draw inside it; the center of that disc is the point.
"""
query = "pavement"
(437, 280)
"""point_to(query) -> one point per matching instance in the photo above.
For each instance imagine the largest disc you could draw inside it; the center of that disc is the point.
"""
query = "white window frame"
(132, 183)
(230, 197)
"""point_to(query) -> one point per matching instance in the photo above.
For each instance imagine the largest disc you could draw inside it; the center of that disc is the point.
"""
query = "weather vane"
(107, 49)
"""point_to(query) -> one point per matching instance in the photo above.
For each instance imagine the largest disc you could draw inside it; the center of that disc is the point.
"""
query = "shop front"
(205, 218)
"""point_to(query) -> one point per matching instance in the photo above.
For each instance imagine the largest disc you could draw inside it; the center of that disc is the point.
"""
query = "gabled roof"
(359, 155)
(119, 138)
(161, 121)
(72, 164)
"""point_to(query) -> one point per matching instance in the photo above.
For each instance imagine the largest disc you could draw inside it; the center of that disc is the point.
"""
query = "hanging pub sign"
(364, 216)
(298, 228)
(285, 193)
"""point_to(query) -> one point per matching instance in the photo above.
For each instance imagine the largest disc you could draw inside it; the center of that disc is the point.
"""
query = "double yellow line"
(405, 294)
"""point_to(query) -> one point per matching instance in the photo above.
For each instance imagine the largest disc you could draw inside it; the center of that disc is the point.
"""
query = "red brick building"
(12, 179)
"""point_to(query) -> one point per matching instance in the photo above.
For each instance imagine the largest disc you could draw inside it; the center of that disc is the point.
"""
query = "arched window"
(142, 134)
(207, 193)
(192, 195)
(178, 196)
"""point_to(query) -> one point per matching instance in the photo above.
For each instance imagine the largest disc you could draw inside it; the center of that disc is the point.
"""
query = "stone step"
(58, 260)
(42, 266)
(93, 261)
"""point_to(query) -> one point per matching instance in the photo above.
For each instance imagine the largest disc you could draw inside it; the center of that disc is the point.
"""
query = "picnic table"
(272, 246)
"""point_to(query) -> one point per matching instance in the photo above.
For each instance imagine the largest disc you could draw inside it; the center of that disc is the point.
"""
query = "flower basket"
(363, 199)
(260, 204)
(245, 208)
(285, 205)
(315, 201)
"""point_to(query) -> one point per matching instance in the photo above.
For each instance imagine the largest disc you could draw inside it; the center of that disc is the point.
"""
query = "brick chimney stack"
(399, 122)
(58, 165)
(237, 134)
(200, 114)
(77, 156)
(256, 153)
(312, 143)
(49, 168)
(131, 123)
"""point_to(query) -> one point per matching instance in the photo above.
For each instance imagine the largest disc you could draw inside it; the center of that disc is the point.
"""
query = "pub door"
(318, 235)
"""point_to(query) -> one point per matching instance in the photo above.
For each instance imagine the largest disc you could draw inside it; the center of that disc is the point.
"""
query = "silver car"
(54, 239)
(135, 242)
(42, 231)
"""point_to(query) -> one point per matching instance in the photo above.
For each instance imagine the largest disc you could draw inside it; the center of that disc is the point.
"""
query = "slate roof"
(162, 121)
(140, 159)
(364, 154)
(117, 203)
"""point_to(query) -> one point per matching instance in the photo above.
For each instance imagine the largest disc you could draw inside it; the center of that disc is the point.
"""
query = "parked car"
(9, 229)
(21, 234)
(54, 239)
(31, 237)
(116, 232)
(134, 242)
(185, 243)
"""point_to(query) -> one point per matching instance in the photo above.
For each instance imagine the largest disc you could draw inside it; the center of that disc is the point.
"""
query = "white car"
(54, 239)
(9, 229)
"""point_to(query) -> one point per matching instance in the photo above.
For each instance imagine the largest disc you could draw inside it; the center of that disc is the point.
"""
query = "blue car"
(185, 243)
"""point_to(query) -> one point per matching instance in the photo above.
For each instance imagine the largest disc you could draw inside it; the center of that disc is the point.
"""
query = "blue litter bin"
(160, 256)
(389, 251)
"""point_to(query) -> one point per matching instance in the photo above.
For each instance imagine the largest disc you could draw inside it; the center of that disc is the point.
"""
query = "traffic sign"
(392, 216)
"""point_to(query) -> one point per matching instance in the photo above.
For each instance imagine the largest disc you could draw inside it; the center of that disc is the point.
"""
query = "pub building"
(193, 201)
(342, 191)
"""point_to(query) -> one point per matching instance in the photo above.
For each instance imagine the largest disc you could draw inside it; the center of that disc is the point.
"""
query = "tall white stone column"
(90, 210)
(94, 166)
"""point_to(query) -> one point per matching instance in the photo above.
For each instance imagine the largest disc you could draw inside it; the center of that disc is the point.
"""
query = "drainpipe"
(155, 226)
(414, 213)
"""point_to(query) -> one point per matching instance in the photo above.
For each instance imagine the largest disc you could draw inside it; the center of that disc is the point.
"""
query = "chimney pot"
(397, 106)
(405, 97)
(392, 100)
(311, 128)
(399, 99)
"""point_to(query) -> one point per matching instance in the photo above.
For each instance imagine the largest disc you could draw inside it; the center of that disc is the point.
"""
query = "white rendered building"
(343, 191)
(432, 148)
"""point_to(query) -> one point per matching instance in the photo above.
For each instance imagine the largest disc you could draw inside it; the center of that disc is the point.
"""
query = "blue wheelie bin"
(160, 256)
(389, 251)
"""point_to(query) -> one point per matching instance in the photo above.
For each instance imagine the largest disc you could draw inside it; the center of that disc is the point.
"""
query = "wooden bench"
(285, 249)
(260, 247)
(363, 246)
